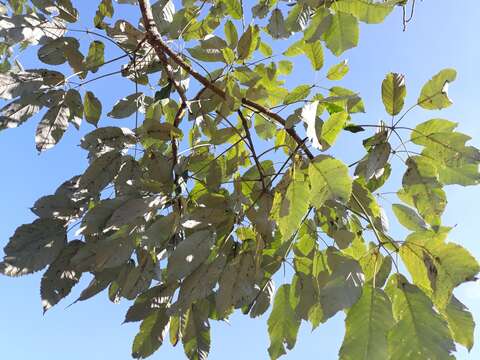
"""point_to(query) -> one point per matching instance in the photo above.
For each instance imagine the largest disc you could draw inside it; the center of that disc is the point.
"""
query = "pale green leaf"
(393, 93)
(338, 71)
(367, 324)
(33, 246)
(420, 332)
(343, 33)
(329, 180)
(434, 94)
(283, 324)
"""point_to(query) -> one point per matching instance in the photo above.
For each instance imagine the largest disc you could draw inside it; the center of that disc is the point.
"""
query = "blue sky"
(444, 33)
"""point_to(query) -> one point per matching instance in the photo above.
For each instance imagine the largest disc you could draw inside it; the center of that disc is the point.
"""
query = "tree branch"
(161, 48)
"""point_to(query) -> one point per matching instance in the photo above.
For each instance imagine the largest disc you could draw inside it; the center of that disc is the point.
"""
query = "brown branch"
(161, 48)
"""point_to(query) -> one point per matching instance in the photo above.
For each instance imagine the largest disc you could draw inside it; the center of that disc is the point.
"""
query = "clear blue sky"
(443, 34)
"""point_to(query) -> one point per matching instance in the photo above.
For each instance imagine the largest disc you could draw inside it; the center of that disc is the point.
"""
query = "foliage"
(191, 213)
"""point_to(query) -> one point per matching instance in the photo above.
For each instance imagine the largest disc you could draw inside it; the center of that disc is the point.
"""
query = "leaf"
(367, 11)
(92, 108)
(342, 34)
(421, 184)
(460, 322)
(298, 17)
(313, 51)
(189, 254)
(163, 15)
(56, 206)
(17, 112)
(329, 180)
(196, 336)
(434, 94)
(290, 207)
(332, 128)
(234, 9)
(283, 324)
(199, 284)
(33, 246)
(126, 106)
(52, 127)
(276, 25)
(150, 337)
(60, 277)
(248, 43)
(108, 138)
(408, 217)
(19, 84)
(299, 93)
(236, 285)
(343, 287)
(393, 93)
(95, 57)
(265, 129)
(337, 72)
(376, 161)
(101, 172)
(231, 34)
(367, 324)
(263, 301)
(420, 332)
(455, 265)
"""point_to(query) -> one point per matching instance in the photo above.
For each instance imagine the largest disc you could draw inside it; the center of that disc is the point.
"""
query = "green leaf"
(231, 34)
(60, 277)
(393, 93)
(337, 72)
(342, 34)
(262, 303)
(434, 94)
(126, 106)
(95, 57)
(236, 286)
(248, 43)
(313, 51)
(343, 287)
(105, 9)
(52, 127)
(290, 207)
(101, 172)
(299, 93)
(196, 337)
(366, 10)
(420, 332)
(408, 217)
(17, 112)
(234, 8)
(92, 108)
(283, 324)
(367, 324)
(460, 322)
(151, 334)
(329, 180)
(421, 184)
(265, 129)
(33, 246)
(455, 265)
(189, 254)
(276, 25)
(332, 128)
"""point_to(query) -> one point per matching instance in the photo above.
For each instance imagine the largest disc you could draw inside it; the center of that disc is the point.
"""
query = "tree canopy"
(229, 175)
